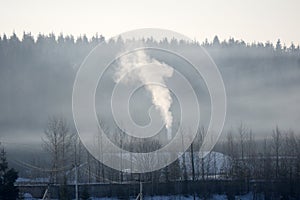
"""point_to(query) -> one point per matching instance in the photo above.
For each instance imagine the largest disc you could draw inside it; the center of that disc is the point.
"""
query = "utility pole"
(76, 167)
(140, 195)
(46, 194)
(141, 190)
(76, 171)
(76, 182)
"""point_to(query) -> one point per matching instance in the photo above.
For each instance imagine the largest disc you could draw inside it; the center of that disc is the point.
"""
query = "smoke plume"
(138, 66)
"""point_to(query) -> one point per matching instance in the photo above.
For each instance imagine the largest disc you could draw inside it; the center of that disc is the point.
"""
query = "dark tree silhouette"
(216, 41)
(7, 179)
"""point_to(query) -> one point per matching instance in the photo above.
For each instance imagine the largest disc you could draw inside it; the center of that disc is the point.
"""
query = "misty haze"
(37, 76)
(149, 100)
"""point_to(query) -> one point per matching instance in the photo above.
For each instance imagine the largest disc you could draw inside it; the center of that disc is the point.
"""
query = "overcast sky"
(250, 20)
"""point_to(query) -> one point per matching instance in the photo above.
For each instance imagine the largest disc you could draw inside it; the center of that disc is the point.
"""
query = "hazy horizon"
(251, 21)
(259, 94)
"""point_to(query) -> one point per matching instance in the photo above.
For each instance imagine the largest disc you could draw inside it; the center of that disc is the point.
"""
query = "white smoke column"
(149, 70)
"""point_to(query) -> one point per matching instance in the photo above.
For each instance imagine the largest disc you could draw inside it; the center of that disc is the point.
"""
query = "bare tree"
(147, 161)
(201, 135)
(267, 165)
(103, 129)
(208, 164)
(276, 136)
(58, 142)
(251, 154)
(232, 153)
(192, 160)
(289, 155)
(184, 169)
(242, 131)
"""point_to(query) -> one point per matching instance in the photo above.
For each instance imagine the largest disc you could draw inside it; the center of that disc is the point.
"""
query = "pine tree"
(278, 46)
(7, 179)
(216, 41)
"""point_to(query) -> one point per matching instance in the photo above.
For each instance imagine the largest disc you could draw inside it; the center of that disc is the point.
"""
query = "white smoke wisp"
(138, 66)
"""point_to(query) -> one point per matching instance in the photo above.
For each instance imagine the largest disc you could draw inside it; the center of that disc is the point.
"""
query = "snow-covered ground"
(34, 180)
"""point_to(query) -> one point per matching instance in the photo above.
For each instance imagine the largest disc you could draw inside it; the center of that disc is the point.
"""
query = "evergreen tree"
(278, 45)
(7, 179)
(216, 41)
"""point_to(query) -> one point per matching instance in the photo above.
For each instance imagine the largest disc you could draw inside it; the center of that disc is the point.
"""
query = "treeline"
(274, 158)
(270, 166)
(28, 40)
(45, 68)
